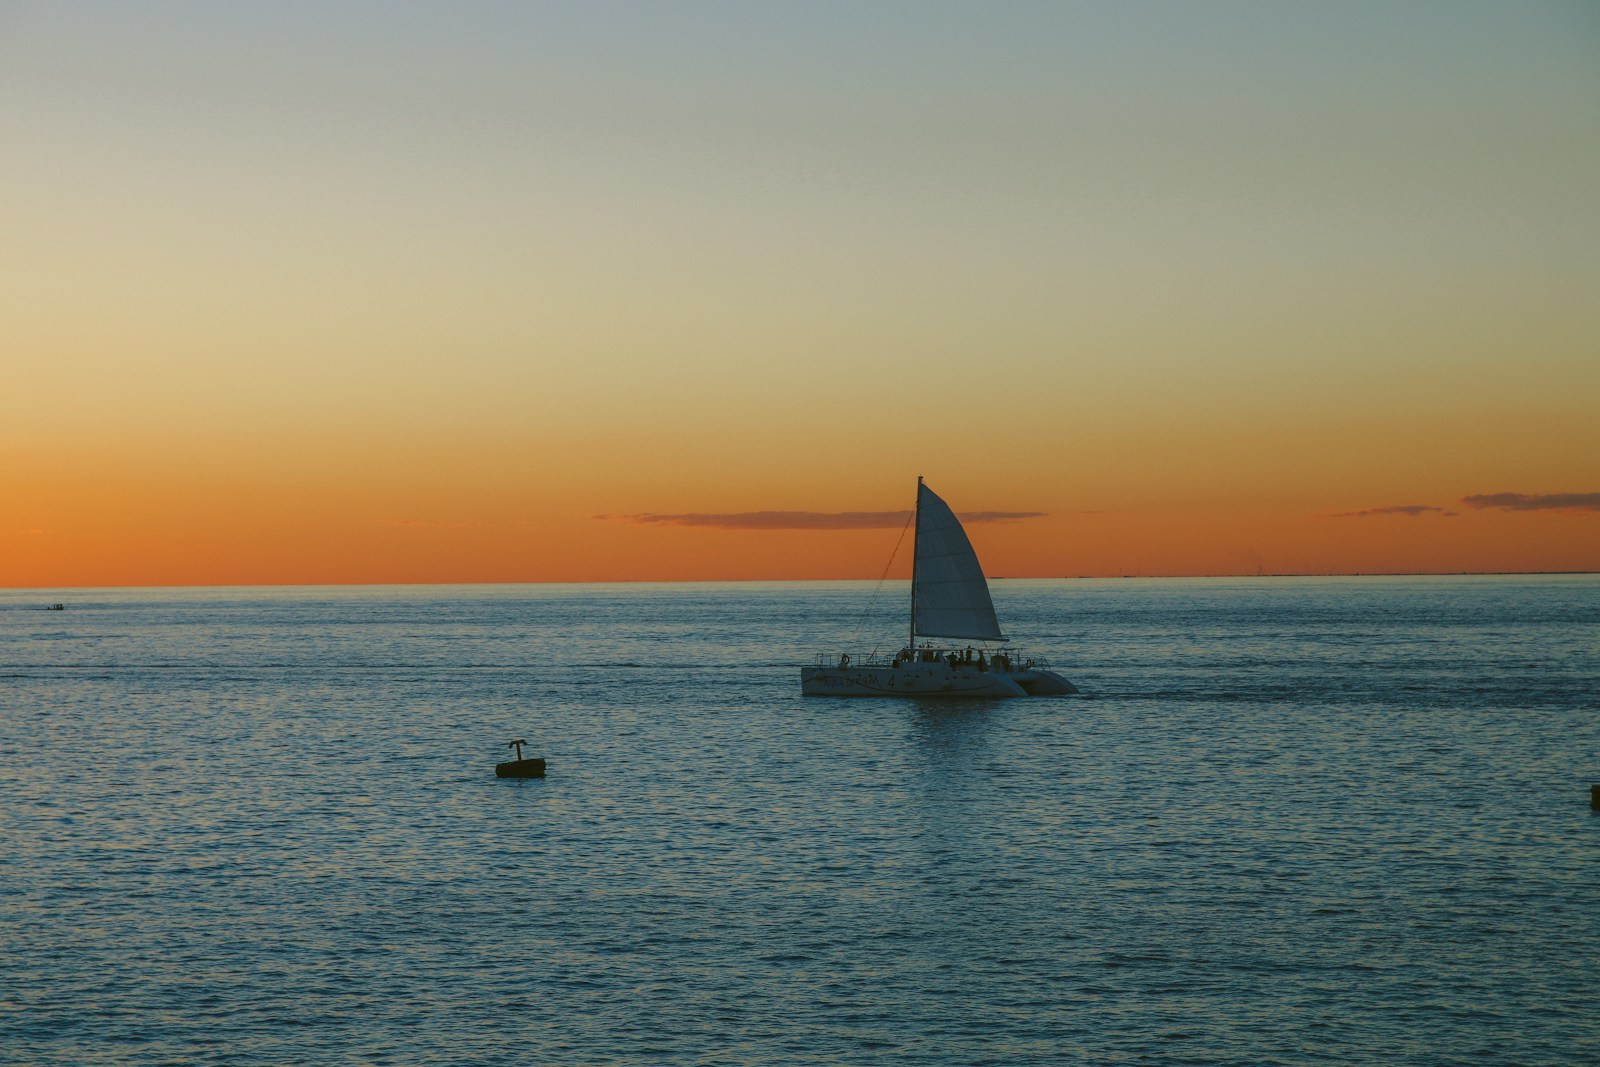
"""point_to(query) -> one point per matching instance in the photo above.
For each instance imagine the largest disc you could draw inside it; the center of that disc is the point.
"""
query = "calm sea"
(1290, 821)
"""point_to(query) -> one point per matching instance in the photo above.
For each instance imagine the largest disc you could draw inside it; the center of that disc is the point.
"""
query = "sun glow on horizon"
(361, 294)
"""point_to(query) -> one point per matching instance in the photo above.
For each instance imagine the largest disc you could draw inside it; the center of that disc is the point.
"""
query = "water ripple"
(1290, 823)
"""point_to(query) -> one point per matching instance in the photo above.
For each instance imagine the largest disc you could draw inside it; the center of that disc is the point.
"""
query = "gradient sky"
(389, 292)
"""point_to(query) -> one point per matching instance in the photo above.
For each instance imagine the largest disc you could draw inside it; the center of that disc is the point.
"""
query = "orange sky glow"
(300, 294)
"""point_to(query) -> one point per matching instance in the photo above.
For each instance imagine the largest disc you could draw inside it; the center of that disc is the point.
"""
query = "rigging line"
(855, 638)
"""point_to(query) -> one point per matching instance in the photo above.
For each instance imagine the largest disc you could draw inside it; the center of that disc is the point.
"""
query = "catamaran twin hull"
(929, 680)
(949, 602)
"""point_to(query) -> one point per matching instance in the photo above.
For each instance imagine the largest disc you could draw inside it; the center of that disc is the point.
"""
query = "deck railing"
(1019, 661)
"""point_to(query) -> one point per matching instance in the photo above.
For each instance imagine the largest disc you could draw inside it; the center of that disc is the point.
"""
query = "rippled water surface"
(1289, 821)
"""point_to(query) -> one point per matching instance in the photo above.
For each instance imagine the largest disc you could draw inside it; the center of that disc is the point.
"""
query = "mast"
(916, 518)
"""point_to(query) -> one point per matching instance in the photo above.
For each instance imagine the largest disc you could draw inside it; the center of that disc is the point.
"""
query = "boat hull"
(930, 680)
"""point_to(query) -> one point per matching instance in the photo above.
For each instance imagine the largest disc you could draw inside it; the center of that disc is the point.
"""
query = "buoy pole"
(1594, 797)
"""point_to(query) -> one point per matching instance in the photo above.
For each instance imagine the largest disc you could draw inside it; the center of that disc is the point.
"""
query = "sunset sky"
(401, 292)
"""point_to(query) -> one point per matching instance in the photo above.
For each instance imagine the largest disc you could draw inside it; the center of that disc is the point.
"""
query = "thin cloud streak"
(1535, 501)
(808, 520)
(1000, 516)
(1410, 510)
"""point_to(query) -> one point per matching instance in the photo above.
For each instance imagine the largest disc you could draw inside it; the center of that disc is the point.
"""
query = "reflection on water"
(1292, 821)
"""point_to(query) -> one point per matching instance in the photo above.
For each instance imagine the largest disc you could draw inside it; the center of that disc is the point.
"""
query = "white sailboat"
(949, 603)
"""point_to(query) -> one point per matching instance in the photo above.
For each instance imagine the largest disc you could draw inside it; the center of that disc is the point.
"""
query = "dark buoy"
(1594, 797)
(519, 767)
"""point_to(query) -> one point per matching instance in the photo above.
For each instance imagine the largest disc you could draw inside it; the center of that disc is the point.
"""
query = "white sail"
(949, 595)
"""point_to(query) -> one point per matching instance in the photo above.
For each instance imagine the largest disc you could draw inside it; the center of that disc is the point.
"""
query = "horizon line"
(769, 581)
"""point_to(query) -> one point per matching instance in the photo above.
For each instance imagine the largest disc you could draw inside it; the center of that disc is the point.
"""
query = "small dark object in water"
(56, 607)
(520, 768)
(1594, 797)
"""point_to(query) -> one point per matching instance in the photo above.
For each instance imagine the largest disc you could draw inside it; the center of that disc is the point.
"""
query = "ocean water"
(1289, 821)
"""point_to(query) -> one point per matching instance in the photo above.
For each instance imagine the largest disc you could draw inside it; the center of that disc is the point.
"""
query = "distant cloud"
(1001, 516)
(808, 520)
(1412, 510)
(776, 520)
(1535, 501)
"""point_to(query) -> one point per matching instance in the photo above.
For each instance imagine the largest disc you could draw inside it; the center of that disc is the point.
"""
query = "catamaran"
(949, 603)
